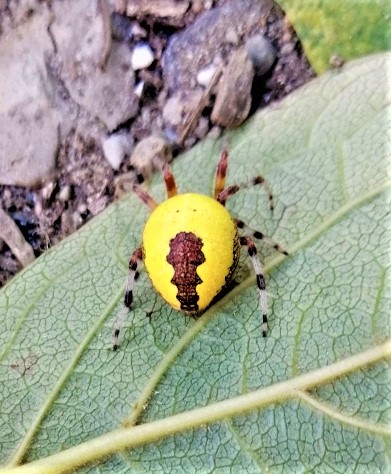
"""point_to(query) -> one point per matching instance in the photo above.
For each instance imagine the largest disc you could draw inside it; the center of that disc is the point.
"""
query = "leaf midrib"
(119, 439)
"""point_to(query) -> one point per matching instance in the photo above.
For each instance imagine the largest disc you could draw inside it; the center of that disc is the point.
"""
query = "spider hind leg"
(136, 257)
(261, 284)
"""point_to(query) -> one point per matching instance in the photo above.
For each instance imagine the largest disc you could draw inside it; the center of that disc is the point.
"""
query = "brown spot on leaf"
(25, 365)
(185, 256)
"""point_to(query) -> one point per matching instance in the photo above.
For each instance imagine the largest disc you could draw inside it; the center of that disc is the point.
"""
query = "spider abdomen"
(190, 250)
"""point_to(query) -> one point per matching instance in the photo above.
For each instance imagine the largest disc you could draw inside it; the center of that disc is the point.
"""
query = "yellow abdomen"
(191, 250)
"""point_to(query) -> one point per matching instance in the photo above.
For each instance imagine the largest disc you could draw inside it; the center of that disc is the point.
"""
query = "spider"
(191, 246)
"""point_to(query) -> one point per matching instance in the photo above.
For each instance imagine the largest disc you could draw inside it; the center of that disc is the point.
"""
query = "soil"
(83, 184)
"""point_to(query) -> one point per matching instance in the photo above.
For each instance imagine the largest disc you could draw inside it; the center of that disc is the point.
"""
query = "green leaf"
(325, 153)
(348, 30)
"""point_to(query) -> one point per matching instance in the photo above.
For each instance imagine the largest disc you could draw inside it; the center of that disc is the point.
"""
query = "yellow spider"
(191, 246)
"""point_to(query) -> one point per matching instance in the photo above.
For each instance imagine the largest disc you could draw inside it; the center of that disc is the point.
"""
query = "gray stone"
(261, 52)
(233, 100)
(194, 48)
(59, 70)
(29, 135)
(104, 88)
(29, 141)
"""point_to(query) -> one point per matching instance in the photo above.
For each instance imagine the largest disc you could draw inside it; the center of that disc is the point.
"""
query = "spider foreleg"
(169, 180)
(260, 236)
(230, 191)
(144, 196)
(221, 173)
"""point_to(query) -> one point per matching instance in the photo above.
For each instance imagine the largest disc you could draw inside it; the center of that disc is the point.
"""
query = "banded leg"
(145, 197)
(230, 191)
(260, 236)
(221, 173)
(130, 279)
(252, 252)
(169, 180)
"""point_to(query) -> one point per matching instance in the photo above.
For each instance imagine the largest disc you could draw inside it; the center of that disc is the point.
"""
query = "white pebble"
(139, 89)
(64, 194)
(115, 147)
(173, 111)
(142, 57)
(205, 75)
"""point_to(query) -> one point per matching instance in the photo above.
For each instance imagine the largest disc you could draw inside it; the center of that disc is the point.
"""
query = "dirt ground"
(83, 182)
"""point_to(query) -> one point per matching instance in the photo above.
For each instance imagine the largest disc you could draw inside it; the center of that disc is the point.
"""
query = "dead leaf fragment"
(13, 237)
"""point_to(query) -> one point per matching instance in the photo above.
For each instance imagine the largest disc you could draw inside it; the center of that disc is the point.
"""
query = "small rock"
(115, 147)
(142, 57)
(173, 111)
(233, 99)
(82, 208)
(336, 61)
(261, 53)
(190, 142)
(65, 193)
(205, 75)
(286, 49)
(231, 36)
(148, 153)
(202, 127)
(171, 135)
(214, 133)
(70, 222)
(47, 191)
(96, 206)
(77, 219)
(139, 89)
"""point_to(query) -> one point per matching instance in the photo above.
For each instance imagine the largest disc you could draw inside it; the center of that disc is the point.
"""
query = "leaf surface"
(325, 152)
(347, 30)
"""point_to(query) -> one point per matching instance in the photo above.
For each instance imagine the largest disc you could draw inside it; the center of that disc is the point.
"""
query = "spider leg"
(252, 252)
(169, 180)
(260, 236)
(221, 173)
(229, 191)
(130, 279)
(145, 197)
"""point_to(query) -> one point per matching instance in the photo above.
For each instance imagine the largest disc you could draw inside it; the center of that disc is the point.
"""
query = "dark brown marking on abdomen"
(236, 254)
(185, 256)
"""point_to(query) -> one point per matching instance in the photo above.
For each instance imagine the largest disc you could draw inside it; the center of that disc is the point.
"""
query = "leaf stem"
(142, 434)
